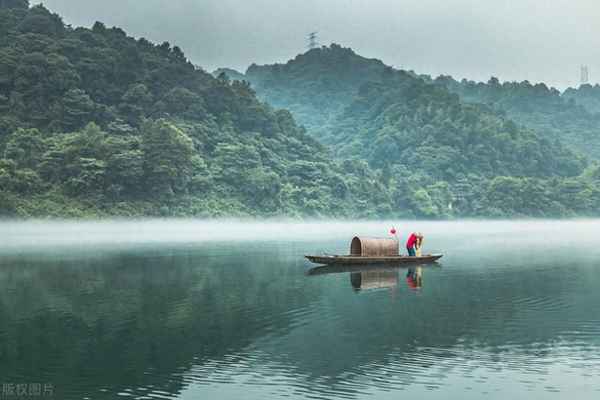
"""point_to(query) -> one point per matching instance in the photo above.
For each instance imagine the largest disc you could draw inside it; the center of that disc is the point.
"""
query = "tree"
(21, 4)
(89, 177)
(41, 21)
(21, 181)
(135, 102)
(168, 153)
(233, 161)
(78, 109)
(182, 102)
(124, 165)
(25, 147)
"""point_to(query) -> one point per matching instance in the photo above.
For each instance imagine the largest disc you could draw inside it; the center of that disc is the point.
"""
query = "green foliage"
(168, 156)
(587, 96)
(20, 4)
(572, 118)
(24, 147)
(441, 151)
(315, 86)
(96, 123)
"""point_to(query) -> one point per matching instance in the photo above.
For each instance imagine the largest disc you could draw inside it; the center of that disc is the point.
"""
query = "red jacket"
(411, 241)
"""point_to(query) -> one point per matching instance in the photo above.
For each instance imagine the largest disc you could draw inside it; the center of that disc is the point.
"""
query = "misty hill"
(367, 110)
(94, 122)
(568, 118)
(315, 86)
(437, 152)
(402, 120)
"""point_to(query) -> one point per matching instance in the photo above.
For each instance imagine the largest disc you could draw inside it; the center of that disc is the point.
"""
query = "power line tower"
(312, 40)
(585, 75)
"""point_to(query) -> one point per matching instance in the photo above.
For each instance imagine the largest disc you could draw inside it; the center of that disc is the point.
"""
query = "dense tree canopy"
(439, 151)
(94, 122)
(22, 4)
(587, 96)
(572, 117)
(315, 86)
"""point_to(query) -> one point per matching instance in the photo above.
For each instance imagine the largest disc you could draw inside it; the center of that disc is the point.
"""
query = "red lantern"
(393, 231)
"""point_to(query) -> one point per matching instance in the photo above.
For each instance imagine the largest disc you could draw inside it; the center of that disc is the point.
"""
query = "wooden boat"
(379, 260)
(373, 251)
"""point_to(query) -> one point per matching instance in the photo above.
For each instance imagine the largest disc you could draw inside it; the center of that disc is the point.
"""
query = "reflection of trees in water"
(127, 321)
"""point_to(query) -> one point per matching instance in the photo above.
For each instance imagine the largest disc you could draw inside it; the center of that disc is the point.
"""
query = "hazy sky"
(538, 40)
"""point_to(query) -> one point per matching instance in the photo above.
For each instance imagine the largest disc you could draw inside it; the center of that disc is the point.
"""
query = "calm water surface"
(223, 310)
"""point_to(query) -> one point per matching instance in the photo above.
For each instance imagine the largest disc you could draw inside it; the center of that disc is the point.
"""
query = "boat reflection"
(378, 279)
(368, 278)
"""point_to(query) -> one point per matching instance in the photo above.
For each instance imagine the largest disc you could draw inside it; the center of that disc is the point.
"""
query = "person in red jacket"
(410, 244)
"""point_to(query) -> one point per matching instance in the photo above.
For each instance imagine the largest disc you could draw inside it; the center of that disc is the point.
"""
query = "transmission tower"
(312, 40)
(585, 75)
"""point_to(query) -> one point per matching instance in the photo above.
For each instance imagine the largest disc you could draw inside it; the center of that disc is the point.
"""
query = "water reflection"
(414, 277)
(369, 278)
(377, 279)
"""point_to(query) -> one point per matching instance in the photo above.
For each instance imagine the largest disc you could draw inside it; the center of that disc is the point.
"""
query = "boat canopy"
(373, 247)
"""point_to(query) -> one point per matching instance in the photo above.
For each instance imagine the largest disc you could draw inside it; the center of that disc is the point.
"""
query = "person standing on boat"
(411, 244)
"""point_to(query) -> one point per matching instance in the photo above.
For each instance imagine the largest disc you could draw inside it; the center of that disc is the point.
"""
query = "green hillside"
(93, 122)
(439, 153)
(96, 123)
(315, 86)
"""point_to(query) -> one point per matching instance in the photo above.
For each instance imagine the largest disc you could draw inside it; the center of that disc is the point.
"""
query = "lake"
(232, 310)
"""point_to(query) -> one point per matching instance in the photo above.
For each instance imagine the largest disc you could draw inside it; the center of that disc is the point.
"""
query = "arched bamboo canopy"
(373, 247)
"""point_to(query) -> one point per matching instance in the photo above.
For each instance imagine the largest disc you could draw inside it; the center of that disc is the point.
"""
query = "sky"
(536, 40)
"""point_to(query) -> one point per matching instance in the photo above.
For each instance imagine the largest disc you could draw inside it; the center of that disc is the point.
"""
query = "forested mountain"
(439, 153)
(93, 122)
(441, 156)
(567, 118)
(315, 86)
(586, 95)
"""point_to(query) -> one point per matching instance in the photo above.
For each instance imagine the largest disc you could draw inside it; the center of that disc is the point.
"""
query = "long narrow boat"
(367, 260)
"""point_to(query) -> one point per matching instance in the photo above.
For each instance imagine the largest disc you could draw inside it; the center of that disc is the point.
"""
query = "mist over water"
(37, 235)
(185, 309)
